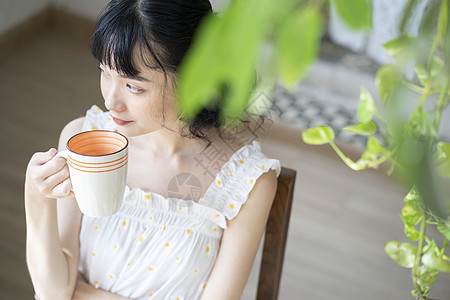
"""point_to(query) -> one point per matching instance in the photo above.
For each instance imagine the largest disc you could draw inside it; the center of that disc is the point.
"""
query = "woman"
(163, 243)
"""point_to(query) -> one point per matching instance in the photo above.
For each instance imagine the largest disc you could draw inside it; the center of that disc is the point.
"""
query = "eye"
(134, 89)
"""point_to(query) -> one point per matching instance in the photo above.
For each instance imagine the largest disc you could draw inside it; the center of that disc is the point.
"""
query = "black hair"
(162, 31)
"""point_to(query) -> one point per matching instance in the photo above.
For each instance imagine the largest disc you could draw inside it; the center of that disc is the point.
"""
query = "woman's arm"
(85, 291)
(240, 242)
(52, 243)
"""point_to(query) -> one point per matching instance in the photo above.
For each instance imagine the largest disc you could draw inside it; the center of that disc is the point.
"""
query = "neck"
(169, 142)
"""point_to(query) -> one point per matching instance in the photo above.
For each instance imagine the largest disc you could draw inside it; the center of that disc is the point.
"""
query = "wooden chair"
(275, 237)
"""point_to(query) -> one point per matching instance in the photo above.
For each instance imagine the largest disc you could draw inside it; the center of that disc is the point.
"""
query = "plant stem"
(441, 28)
(442, 22)
(438, 111)
(419, 253)
(413, 87)
(344, 158)
(422, 99)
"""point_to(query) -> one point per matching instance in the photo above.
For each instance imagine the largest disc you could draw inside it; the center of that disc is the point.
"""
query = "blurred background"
(340, 218)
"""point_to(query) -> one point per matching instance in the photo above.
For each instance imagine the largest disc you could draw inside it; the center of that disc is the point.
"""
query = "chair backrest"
(275, 237)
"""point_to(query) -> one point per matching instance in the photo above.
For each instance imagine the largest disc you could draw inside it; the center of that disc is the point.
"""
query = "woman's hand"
(47, 177)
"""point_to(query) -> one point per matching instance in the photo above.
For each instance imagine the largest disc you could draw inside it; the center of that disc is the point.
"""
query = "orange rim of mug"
(80, 137)
(101, 143)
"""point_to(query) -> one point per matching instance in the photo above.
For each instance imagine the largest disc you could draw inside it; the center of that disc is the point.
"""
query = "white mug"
(98, 163)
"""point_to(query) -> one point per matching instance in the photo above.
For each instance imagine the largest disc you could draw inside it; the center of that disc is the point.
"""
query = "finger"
(38, 169)
(63, 190)
(57, 178)
(52, 152)
(40, 158)
(53, 166)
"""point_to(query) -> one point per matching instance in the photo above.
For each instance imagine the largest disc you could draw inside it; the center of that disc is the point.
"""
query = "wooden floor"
(340, 218)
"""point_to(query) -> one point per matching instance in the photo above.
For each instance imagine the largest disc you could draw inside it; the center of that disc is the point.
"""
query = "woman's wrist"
(33, 196)
(38, 208)
(33, 199)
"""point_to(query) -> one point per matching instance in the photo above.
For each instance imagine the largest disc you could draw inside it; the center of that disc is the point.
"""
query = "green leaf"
(425, 277)
(446, 44)
(375, 147)
(387, 80)
(356, 13)
(432, 78)
(373, 152)
(443, 21)
(420, 124)
(366, 106)
(318, 135)
(219, 68)
(426, 32)
(402, 48)
(411, 215)
(298, 43)
(196, 80)
(413, 197)
(411, 232)
(421, 74)
(241, 38)
(443, 150)
(444, 228)
(434, 261)
(407, 14)
(362, 128)
(443, 158)
(402, 253)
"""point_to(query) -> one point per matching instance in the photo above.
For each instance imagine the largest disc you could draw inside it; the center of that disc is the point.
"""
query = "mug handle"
(63, 154)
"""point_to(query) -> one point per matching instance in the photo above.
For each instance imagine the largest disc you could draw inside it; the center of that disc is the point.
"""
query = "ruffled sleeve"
(98, 119)
(237, 178)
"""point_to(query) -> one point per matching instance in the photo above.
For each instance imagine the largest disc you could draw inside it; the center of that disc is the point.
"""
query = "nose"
(114, 100)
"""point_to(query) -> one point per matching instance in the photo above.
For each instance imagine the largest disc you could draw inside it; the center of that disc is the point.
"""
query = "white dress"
(165, 248)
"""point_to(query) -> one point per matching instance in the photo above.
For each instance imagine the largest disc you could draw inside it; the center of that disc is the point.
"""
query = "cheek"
(152, 112)
(162, 109)
(104, 87)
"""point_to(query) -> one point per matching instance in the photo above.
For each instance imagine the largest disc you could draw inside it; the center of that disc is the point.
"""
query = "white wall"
(14, 12)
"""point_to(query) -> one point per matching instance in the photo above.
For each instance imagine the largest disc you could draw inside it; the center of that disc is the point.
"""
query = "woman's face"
(141, 104)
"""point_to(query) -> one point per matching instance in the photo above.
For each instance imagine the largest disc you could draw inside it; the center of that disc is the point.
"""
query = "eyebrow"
(136, 77)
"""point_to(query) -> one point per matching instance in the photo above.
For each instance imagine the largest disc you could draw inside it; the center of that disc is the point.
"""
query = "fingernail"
(52, 152)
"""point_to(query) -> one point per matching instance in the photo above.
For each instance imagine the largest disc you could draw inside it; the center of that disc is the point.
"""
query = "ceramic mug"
(98, 163)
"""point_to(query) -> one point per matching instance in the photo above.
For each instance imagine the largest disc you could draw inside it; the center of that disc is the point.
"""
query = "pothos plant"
(256, 41)
(409, 143)
(280, 39)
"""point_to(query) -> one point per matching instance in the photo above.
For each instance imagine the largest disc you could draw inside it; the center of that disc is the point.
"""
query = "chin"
(133, 132)
(126, 132)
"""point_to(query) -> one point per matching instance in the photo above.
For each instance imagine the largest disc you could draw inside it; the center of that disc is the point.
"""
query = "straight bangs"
(119, 40)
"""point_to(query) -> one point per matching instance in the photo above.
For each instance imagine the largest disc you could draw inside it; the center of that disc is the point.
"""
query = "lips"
(120, 122)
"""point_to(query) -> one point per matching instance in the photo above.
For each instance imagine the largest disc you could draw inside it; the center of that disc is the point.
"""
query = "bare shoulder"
(71, 128)
(265, 187)
(259, 201)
